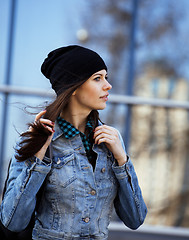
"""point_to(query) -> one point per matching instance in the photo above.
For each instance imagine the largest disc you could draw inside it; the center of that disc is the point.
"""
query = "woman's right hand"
(49, 125)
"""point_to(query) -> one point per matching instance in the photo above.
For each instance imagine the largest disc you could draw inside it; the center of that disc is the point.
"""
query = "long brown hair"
(32, 141)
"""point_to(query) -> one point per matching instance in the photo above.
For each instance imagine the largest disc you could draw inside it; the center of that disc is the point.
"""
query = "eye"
(97, 79)
(106, 77)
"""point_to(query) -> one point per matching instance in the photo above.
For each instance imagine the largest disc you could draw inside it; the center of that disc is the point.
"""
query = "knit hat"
(66, 66)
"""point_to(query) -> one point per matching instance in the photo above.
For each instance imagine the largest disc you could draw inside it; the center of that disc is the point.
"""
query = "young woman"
(89, 171)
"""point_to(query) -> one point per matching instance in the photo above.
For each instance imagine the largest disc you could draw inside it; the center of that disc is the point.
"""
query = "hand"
(49, 125)
(45, 122)
(110, 137)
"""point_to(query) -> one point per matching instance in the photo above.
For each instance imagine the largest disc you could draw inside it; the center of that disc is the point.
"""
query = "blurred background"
(145, 45)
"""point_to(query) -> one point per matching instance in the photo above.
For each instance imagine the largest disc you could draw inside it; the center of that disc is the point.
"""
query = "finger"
(46, 122)
(102, 127)
(98, 135)
(108, 130)
(39, 115)
(104, 136)
(103, 130)
(105, 140)
(49, 125)
(51, 129)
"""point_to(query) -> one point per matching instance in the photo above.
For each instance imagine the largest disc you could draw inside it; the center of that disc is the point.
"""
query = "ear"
(74, 93)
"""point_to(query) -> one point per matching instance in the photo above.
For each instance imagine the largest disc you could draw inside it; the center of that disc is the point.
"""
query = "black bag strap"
(5, 184)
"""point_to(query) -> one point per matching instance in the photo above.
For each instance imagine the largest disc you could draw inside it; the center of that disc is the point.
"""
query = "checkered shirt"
(70, 131)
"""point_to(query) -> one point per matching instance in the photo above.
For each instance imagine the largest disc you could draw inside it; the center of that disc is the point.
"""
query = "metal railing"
(114, 98)
(118, 229)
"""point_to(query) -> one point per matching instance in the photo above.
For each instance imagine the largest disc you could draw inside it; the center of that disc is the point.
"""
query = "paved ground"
(120, 235)
(118, 231)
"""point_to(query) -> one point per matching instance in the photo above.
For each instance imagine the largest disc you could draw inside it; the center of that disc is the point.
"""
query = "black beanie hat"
(72, 64)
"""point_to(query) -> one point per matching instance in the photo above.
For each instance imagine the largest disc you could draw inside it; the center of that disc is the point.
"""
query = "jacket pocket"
(63, 171)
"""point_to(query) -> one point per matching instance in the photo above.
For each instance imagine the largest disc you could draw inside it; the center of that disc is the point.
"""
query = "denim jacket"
(76, 201)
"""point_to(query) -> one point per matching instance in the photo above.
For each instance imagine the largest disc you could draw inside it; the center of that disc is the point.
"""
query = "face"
(93, 94)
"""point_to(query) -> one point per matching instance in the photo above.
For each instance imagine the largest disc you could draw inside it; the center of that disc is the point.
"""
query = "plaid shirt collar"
(69, 130)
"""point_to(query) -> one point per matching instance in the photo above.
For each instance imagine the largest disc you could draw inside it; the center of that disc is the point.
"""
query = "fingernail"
(52, 123)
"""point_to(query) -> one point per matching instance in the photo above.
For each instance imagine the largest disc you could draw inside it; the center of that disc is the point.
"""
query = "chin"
(101, 107)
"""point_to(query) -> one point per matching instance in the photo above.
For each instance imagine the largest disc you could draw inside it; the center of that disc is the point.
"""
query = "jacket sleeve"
(23, 183)
(129, 203)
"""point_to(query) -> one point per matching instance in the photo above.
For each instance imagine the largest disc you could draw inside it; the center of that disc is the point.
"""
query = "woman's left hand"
(110, 137)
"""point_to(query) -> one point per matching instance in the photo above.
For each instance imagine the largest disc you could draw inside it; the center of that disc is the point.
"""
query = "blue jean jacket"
(76, 202)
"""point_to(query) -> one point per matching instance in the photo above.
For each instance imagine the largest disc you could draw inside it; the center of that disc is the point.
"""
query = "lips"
(105, 97)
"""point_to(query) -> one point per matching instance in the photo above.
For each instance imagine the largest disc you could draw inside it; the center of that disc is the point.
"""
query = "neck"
(76, 118)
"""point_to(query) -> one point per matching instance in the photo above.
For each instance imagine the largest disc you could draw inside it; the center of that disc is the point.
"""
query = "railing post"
(131, 70)
(7, 82)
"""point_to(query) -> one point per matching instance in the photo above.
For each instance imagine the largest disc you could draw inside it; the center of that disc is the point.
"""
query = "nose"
(107, 86)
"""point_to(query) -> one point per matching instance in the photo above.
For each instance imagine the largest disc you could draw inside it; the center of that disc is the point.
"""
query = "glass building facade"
(149, 105)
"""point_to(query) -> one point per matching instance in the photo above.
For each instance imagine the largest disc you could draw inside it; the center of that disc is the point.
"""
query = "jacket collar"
(58, 132)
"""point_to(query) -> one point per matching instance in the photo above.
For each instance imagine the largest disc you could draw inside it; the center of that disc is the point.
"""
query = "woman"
(89, 171)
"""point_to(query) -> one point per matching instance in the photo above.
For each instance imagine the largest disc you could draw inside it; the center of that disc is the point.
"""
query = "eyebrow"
(99, 74)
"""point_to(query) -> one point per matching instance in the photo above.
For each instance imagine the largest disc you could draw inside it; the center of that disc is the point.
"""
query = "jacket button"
(93, 192)
(86, 219)
(103, 170)
(59, 161)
